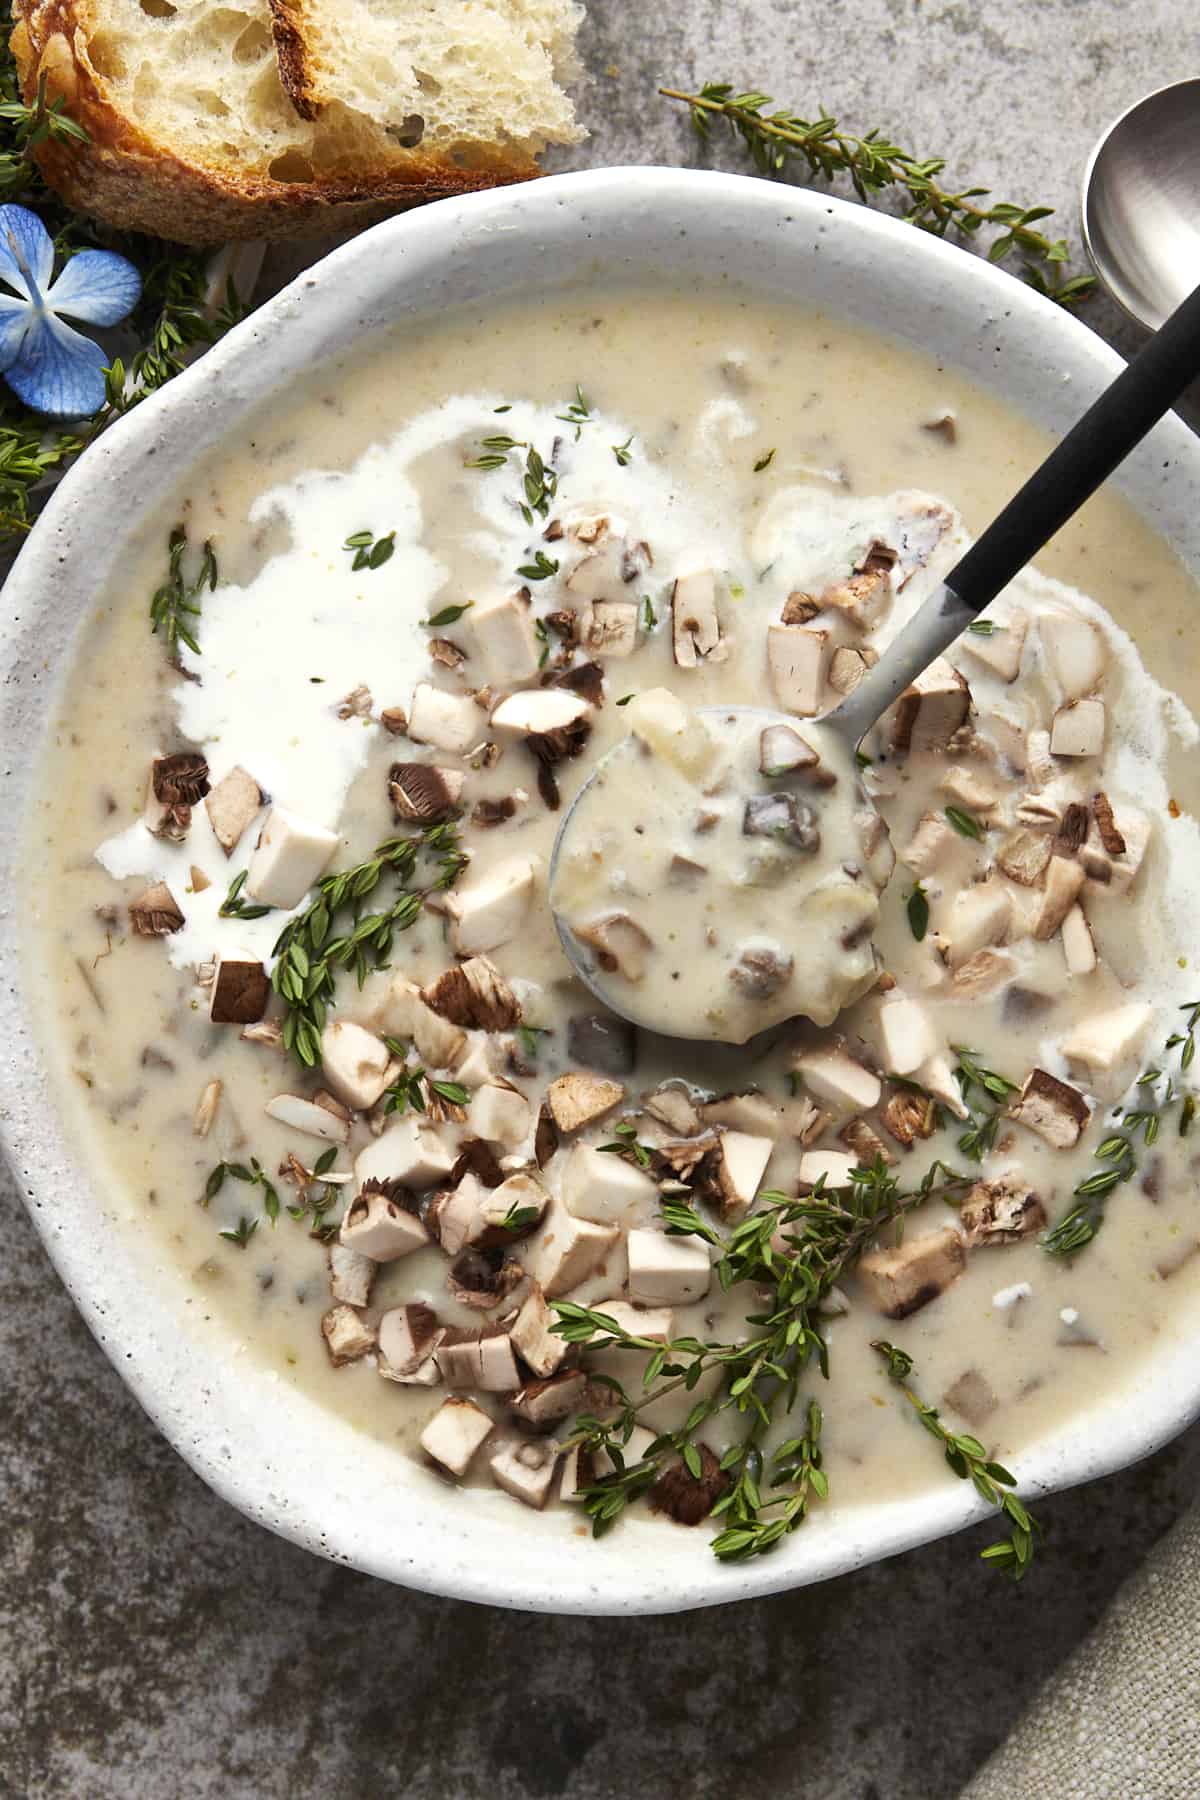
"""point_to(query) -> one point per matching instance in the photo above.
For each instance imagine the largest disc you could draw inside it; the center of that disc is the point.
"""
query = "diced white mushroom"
(537, 711)
(566, 1250)
(671, 730)
(407, 1153)
(610, 628)
(1040, 766)
(475, 995)
(972, 789)
(931, 844)
(748, 1111)
(864, 1143)
(505, 640)
(405, 1014)
(1007, 725)
(984, 973)
(500, 1114)
(655, 1323)
(1000, 649)
(351, 1274)
(796, 663)
(667, 1271)
(1001, 1211)
(239, 991)
(532, 1332)
(695, 626)
(1024, 855)
(488, 909)
(900, 1280)
(937, 1078)
(232, 806)
(577, 1099)
(838, 1079)
(206, 1107)
(526, 1471)
(605, 1188)
(671, 1106)
(457, 1215)
(907, 1036)
(347, 1335)
(1110, 870)
(1107, 1040)
(1079, 946)
(580, 1470)
(928, 714)
(1052, 1108)
(291, 854)
(357, 1065)
(620, 943)
(1074, 652)
(478, 1359)
(1078, 729)
(408, 1337)
(847, 668)
(457, 1430)
(831, 1167)
(979, 916)
(550, 1399)
(379, 1227)
(479, 1061)
(447, 721)
(307, 1117)
(741, 1164)
(1064, 878)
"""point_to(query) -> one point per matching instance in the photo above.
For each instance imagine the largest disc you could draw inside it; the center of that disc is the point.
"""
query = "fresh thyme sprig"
(310, 953)
(625, 1143)
(778, 140)
(1116, 1154)
(25, 128)
(970, 1462)
(234, 907)
(797, 1249)
(254, 1175)
(409, 1088)
(370, 552)
(178, 599)
(980, 1135)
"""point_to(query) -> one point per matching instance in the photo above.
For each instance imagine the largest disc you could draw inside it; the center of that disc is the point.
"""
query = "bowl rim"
(243, 1435)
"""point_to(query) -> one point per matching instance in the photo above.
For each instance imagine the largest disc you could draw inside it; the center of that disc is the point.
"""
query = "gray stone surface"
(152, 1643)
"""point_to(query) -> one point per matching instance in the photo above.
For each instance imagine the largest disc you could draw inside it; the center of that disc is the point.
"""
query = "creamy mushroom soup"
(313, 1023)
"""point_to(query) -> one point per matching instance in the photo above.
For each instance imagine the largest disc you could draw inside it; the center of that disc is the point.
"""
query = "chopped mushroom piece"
(605, 1188)
(847, 668)
(469, 1216)
(155, 913)
(532, 1332)
(610, 628)
(672, 1107)
(682, 1497)
(447, 721)
(457, 1430)
(1078, 729)
(504, 636)
(829, 1168)
(604, 1042)
(907, 1036)
(422, 792)
(934, 840)
(1079, 947)
(581, 1470)
(1111, 837)
(347, 1335)
(357, 1065)
(206, 1108)
(408, 1337)
(577, 1099)
(667, 1271)
(908, 1116)
(968, 787)
(785, 818)
(750, 1111)
(299, 1114)
(526, 1471)
(762, 969)
(478, 1062)
(500, 1114)
(1000, 649)
(972, 1397)
(1024, 856)
(928, 714)
(1074, 651)
(695, 626)
(1109, 871)
(654, 1323)
(483, 1279)
(408, 1154)
(239, 992)
(379, 1226)
(478, 1359)
(796, 662)
(489, 910)
(540, 712)
(543, 1403)
(475, 995)
(406, 1014)
(866, 1144)
(1001, 1211)
(979, 917)
(902, 1279)
(741, 1164)
(566, 1250)
(1064, 878)
(232, 806)
(1056, 1111)
(291, 854)
(984, 973)
(837, 1078)
(619, 942)
(782, 751)
(1107, 1040)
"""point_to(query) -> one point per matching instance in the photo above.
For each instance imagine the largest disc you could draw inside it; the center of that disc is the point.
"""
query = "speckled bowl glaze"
(280, 1458)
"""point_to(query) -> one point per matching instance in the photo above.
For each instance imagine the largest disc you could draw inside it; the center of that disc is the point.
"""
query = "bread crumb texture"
(273, 118)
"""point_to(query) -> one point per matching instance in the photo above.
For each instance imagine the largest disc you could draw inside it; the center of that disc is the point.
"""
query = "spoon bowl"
(1141, 204)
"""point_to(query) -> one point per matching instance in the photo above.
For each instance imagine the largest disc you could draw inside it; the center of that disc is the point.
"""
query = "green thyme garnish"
(649, 616)
(527, 1036)
(519, 1218)
(622, 452)
(764, 461)
(178, 599)
(625, 1143)
(984, 627)
(969, 1460)
(578, 412)
(254, 1175)
(540, 569)
(980, 1136)
(234, 907)
(370, 552)
(917, 908)
(965, 823)
(449, 615)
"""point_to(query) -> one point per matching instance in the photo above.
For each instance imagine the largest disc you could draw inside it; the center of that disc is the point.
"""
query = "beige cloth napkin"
(1121, 1719)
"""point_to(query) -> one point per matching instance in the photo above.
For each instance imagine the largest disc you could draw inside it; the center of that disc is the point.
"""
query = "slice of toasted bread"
(215, 119)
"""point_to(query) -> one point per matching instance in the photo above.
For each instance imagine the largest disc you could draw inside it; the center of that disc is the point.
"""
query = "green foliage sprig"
(777, 141)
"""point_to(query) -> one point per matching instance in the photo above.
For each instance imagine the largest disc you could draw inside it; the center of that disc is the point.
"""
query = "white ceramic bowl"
(283, 1460)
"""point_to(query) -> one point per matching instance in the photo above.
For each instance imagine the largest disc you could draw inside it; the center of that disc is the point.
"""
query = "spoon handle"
(1113, 426)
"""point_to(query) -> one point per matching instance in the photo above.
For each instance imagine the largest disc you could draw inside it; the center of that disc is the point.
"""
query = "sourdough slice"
(215, 119)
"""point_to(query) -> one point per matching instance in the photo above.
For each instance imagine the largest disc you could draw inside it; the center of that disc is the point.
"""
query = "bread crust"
(135, 182)
(291, 53)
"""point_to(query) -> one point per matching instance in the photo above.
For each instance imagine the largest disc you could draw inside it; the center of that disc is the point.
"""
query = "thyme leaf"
(178, 599)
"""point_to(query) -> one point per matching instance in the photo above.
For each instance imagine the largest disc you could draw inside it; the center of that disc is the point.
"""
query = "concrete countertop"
(153, 1643)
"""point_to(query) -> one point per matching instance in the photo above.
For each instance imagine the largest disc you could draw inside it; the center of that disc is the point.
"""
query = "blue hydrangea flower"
(52, 368)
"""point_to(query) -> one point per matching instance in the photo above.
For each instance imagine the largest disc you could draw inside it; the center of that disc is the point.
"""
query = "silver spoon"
(1089, 453)
(1141, 203)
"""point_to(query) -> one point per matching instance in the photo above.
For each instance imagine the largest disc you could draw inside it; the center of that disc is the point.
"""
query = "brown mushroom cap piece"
(475, 995)
(682, 1497)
